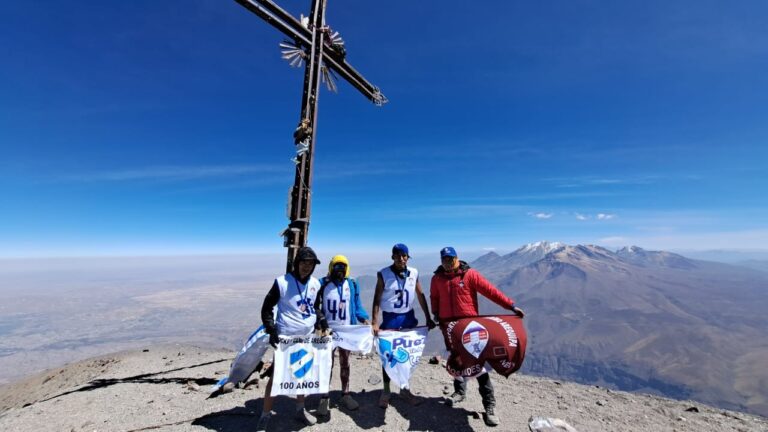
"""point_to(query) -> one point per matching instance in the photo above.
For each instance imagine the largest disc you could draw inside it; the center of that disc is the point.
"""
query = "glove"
(274, 339)
(322, 330)
(431, 324)
(517, 311)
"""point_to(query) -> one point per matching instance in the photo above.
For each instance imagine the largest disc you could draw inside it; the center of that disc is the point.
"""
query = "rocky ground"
(166, 388)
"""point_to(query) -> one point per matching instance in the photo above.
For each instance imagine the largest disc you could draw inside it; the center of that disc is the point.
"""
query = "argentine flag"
(247, 359)
(302, 365)
(301, 362)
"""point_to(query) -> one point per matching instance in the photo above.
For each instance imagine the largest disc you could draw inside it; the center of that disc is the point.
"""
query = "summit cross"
(313, 43)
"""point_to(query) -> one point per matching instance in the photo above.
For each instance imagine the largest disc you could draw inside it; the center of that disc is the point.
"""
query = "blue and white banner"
(400, 352)
(355, 338)
(247, 359)
(302, 365)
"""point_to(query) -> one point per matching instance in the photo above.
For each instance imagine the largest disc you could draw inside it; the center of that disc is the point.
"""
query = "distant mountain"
(644, 258)
(640, 320)
(493, 265)
(761, 265)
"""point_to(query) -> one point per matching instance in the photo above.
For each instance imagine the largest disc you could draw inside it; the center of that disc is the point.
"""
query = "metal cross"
(311, 42)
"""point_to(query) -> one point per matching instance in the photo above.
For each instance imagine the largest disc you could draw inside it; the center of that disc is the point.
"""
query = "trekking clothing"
(397, 321)
(338, 259)
(400, 249)
(263, 421)
(288, 309)
(490, 417)
(384, 398)
(399, 292)
(329, 302)
(304, 417)
(322, 407)
(339, 302)
(296, 314)
(454, 295)
(305, 254)
(285, 299)
(459, 392)
(349, 402)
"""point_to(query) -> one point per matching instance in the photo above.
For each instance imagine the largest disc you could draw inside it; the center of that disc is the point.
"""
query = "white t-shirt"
(295, 309)
(399, 294)
(336, 303)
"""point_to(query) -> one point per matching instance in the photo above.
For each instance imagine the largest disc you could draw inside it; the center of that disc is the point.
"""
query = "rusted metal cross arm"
(292, 28)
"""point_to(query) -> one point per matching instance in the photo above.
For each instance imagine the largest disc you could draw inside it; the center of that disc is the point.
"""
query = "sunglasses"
(339, 267)
(447, 258)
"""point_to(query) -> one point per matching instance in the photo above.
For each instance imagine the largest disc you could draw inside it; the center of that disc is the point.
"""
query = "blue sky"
(151, 127)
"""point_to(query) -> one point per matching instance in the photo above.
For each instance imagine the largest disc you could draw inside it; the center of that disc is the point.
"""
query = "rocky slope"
(165, 388)
(642, 320)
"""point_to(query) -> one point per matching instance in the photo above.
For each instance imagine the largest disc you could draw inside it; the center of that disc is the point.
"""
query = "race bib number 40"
(302, 365)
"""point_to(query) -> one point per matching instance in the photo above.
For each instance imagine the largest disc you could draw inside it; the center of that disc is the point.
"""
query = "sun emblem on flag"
(474, 338)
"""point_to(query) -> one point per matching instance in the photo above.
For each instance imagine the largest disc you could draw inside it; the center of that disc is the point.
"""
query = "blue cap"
(447, 252)
(400, 249)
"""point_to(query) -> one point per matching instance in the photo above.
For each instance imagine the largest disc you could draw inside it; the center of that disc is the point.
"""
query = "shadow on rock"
(245, 418)
(142, 379)
(367, 416)
(433, 414)
(236, 419)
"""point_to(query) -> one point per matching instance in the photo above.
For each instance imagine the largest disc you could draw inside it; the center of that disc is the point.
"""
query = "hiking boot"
(384, 400)
(455, 399)
(410, 398)
(322, 408)
(228, 387)
(263, 422)
(490, 417)
(349, 403)
(304, 417)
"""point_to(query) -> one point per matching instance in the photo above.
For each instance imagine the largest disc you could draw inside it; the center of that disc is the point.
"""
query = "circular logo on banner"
(474, 338)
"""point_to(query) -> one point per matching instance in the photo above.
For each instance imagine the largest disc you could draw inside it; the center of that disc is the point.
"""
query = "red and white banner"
(497, 340)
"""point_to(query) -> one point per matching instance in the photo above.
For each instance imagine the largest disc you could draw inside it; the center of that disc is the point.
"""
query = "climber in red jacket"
(453, 294)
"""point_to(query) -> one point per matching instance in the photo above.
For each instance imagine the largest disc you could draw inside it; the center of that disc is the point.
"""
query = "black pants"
(486, 389)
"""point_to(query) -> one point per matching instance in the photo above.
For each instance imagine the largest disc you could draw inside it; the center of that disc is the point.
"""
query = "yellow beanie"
(338, 259)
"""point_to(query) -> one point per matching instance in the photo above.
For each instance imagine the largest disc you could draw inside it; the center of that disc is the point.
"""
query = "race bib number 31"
(302, 365)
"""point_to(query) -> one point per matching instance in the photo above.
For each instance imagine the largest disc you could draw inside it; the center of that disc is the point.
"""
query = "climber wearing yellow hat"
(339, 299)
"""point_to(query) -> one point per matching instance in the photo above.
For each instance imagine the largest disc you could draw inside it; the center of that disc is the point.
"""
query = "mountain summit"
(493, 265)
(166, 388)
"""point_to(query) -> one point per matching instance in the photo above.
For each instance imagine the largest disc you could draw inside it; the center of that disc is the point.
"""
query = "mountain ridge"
(640, 320)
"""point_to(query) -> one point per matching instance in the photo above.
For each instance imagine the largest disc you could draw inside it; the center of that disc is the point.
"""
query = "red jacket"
(454, 295)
